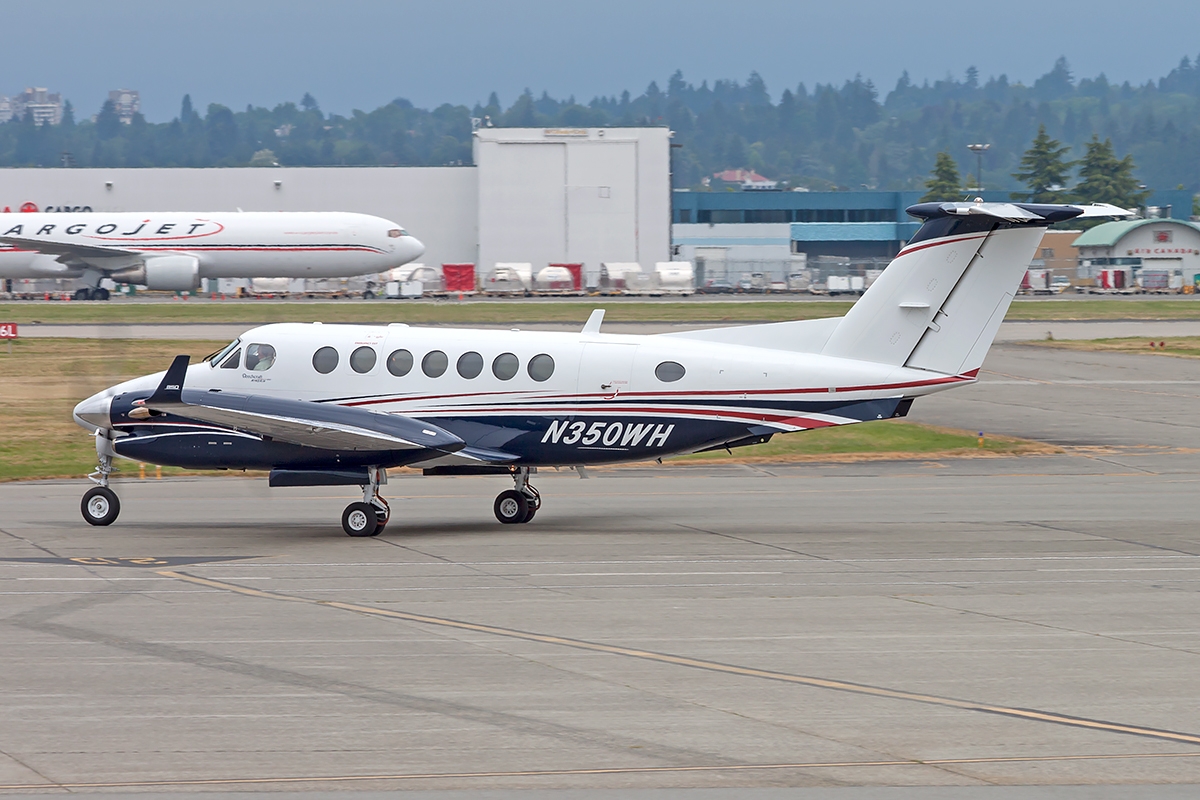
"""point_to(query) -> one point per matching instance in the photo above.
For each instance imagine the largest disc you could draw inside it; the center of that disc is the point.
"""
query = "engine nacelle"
(163, 274)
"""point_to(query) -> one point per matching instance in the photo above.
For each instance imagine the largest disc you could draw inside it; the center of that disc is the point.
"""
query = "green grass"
(874, 440)
(252, 312)
(1179, 346)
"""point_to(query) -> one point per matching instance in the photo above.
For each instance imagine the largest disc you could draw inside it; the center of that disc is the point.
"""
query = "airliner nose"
(415, 247)
(93, 412)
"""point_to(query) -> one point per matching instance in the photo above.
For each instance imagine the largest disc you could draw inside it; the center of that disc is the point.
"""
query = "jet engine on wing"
(163, 273)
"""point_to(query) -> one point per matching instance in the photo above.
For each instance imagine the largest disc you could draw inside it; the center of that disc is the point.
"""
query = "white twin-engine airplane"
(339, 404)
(173, 251)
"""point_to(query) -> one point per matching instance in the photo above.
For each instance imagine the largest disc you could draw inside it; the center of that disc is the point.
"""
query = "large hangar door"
(522, 210)
(601, 198)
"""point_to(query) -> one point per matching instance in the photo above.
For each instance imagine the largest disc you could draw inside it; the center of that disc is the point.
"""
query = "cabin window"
(505, 366)
(541, 367)
(325, 360)
(232, 361)
(260, 357)
(434, 363)
(362, 360)
(399, 363)
(669, 371)
(470, 365)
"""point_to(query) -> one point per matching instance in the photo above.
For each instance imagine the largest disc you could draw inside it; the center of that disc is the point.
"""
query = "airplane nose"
(94, 412)
(416, 247)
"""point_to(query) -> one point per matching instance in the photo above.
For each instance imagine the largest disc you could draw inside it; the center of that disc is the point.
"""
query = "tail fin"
(940, 302)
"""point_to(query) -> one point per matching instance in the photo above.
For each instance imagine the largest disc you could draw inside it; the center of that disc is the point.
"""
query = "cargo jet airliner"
(173, 251)
(340, 404)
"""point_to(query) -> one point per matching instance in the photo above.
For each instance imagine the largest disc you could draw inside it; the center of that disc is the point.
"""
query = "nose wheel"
(369, 517)
(100, 505)
(517, 506)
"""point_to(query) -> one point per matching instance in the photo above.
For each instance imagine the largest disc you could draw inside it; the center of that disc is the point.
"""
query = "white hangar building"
(1159, 244)
(569, 195)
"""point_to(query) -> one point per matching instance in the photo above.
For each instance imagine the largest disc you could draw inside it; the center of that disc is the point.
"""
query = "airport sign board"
(8, 330)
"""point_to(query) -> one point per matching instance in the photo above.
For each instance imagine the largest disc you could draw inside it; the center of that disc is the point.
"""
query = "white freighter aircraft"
(339, 404)
(173, 251)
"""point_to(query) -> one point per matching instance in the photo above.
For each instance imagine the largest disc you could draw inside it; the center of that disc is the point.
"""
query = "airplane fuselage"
(537, 398)
(225, 244)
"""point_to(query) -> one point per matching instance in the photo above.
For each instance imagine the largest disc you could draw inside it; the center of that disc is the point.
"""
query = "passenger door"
(605, 368)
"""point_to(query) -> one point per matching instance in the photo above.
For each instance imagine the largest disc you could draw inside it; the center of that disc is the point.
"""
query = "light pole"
(979, 149)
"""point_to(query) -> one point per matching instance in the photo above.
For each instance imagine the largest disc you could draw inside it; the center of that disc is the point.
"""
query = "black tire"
(368, 295)
(382, 516)
(100, 506)
(102, 294)
(359, 519)
(511, 507)
(83, 294)
(529, 514)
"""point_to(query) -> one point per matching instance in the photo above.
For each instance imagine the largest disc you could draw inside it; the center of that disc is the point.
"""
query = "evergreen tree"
(1106, 179)
(108, 124)
(1044, 170)
(943, 184)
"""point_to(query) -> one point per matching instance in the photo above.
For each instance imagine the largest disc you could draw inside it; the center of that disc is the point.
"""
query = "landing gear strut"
(100, 505)
(516, 506)
(369, 517)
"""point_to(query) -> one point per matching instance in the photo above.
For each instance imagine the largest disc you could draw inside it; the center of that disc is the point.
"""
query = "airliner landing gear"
(369, 517)
(96, 293)
(100, 505)
(518, 505)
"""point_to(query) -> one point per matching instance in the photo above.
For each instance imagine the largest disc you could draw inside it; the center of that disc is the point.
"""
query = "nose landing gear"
(100, 505)
(369, 517)
(517, 506)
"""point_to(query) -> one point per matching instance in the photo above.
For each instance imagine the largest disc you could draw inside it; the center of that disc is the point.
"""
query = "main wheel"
(100, 506)
(382, 515)
(83, 294)
(102, 294)
(511, 507)
(359, 519)
(534, 500)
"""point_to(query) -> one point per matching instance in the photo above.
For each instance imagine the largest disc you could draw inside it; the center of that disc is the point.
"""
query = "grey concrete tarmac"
(960, 623)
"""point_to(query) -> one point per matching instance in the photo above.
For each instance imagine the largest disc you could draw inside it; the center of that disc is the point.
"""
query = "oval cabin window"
(669, 371)
(399, 363)
(541, 367)
(260, 357)
(505, 366)
(362, 360)
(434, 364)
(325, 360)
(470, 365)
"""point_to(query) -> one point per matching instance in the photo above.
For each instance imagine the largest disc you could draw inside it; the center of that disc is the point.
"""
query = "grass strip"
(1178, 346)
(492, 312)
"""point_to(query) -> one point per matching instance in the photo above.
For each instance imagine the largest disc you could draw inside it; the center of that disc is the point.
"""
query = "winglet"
(593, 323)
(171, 389)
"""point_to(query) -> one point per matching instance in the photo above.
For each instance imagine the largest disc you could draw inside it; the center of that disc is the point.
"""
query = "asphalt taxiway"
(959, 623)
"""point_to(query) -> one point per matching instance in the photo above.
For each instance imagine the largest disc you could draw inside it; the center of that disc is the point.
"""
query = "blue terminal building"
(857, 225)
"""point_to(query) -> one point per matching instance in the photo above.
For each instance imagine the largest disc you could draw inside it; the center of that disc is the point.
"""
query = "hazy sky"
(364, 53)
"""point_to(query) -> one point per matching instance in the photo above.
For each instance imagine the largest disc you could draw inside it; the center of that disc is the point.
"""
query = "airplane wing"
(70, 253)
(300, 422)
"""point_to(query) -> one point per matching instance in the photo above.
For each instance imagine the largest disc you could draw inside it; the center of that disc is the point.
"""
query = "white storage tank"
(676, 277)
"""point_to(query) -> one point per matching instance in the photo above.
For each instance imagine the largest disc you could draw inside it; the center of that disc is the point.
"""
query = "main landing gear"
(516, 506)
(88, 293)
(369, 517)
(100, 505)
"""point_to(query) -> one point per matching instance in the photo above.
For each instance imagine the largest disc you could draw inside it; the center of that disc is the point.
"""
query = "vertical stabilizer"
(940, 302)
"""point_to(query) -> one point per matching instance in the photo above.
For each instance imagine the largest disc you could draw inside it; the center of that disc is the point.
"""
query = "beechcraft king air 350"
(173, 251)
(340, 404)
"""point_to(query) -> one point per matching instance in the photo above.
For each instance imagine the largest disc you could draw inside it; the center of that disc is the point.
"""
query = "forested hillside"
(821, 137)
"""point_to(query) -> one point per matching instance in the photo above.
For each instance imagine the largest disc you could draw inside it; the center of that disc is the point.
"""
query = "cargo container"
(554, 280)
(459, 278)
(613, 275)
(676, 277)
(509, 278)
(576, 271)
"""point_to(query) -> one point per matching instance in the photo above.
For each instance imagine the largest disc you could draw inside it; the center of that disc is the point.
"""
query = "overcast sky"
(364, 53)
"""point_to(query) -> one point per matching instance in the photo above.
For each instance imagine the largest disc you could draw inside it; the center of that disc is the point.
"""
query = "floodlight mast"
(978, 149)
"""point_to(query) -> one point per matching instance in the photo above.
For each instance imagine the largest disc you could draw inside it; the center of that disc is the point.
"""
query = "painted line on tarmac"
(1029, 714)
(543, 773)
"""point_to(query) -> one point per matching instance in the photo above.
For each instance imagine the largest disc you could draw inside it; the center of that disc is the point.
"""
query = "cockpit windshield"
(215, 358)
